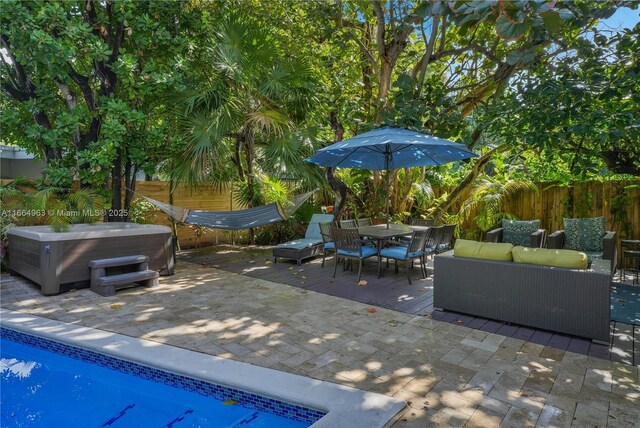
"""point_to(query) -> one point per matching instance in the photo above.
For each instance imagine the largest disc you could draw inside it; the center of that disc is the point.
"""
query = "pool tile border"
(345, 407)
(219, 392)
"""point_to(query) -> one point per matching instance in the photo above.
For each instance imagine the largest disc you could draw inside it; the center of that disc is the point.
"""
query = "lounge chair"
(304, 248)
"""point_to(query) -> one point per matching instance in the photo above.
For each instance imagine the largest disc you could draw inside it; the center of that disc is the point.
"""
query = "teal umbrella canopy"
(390, 148)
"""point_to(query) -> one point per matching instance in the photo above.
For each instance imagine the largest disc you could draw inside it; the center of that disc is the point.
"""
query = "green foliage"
(21, 204)
(84, 81)
(620, 203)
(243, 91)
(578, 115)
(487, 200)
(142, 212)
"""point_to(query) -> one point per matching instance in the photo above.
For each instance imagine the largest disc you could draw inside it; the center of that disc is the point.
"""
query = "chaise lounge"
(309, 246)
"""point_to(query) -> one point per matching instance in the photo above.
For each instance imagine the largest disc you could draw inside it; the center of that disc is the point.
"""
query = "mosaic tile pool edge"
(219, 392)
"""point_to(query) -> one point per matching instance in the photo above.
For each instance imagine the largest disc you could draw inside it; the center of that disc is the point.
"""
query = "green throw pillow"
(519, 232)
(584, 234)
(483, 250)
(549, 257)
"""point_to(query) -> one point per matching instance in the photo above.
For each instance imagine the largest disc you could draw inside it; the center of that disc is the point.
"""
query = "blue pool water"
(41, 388)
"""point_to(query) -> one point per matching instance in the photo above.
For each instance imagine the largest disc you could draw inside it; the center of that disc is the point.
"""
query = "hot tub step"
(118, 261)
(107, 285)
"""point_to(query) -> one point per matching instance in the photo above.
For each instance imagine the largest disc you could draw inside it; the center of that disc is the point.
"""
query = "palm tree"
(254, 96)
(487, 198)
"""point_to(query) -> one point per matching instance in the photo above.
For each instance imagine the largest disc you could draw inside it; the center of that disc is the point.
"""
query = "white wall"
(27, 168)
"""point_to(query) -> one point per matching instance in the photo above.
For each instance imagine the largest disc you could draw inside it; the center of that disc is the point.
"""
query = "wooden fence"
(204, 198)
(550, 204)
(614, 200)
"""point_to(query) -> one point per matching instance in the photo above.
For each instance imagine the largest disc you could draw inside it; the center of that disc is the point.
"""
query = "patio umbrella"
(390, 148)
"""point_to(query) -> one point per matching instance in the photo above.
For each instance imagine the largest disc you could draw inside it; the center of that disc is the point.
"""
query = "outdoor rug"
(625, 304)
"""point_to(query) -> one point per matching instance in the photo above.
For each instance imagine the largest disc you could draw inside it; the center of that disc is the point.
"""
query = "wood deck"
(393, 291)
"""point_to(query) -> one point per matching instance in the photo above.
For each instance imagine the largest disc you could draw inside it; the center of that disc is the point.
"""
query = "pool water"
(41, 388)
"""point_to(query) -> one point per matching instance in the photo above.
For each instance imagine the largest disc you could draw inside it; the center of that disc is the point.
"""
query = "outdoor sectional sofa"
(571, 301)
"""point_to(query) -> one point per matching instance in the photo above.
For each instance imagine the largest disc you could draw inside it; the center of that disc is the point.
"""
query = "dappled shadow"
(447, 372)
(391, 291)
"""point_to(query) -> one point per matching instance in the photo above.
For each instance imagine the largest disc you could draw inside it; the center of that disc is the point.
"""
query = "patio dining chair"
(433, 240)
(348, 224)
(364, 222)
(447, 238)
(327, 239)
(407, 253)
(422, 222)
(349, 246)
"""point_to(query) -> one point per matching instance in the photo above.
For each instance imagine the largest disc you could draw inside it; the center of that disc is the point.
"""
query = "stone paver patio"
(450, 375)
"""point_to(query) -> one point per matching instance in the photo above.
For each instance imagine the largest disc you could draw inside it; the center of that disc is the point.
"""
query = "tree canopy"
(244, 90)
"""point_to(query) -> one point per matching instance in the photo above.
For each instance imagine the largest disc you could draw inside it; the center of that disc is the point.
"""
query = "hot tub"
(59, 260)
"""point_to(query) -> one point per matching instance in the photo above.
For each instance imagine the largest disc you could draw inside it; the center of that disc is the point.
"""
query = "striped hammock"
(233, 220)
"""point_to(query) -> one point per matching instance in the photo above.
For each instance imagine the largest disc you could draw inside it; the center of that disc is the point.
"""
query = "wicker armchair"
(511, 232)
(608, 246)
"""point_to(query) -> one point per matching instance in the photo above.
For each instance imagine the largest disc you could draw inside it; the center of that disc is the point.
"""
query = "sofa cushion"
(550, 257)
(519, 232)
(584, 234)
(483, 250)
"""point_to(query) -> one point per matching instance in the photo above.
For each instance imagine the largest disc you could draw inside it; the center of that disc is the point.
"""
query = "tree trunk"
(340, 189)
(130, 172)
(477, 169)
(249, 147)
(116, 188)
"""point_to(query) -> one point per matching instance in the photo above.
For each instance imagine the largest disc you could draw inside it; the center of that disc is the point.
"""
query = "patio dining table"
(380, 233)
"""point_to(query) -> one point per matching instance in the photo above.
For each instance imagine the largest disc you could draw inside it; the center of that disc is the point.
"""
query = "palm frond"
(270, 121)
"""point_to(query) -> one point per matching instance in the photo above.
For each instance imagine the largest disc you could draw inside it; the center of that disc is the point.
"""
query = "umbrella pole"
(388, 189)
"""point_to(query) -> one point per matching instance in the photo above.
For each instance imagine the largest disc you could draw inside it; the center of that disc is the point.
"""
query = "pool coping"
(345, 406)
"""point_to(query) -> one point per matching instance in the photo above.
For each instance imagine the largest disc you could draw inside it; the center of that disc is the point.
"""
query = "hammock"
(233, 220)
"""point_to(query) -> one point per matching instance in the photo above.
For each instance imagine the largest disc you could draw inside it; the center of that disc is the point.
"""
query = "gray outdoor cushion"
(300, 244)
(519, 232)
(313, 230)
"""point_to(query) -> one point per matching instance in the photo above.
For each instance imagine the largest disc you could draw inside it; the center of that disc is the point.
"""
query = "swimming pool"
(284, 392)
(74, 387)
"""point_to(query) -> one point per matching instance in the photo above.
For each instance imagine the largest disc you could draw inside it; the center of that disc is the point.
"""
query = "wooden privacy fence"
(208, 198)
(550, 204)
(613, 200)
